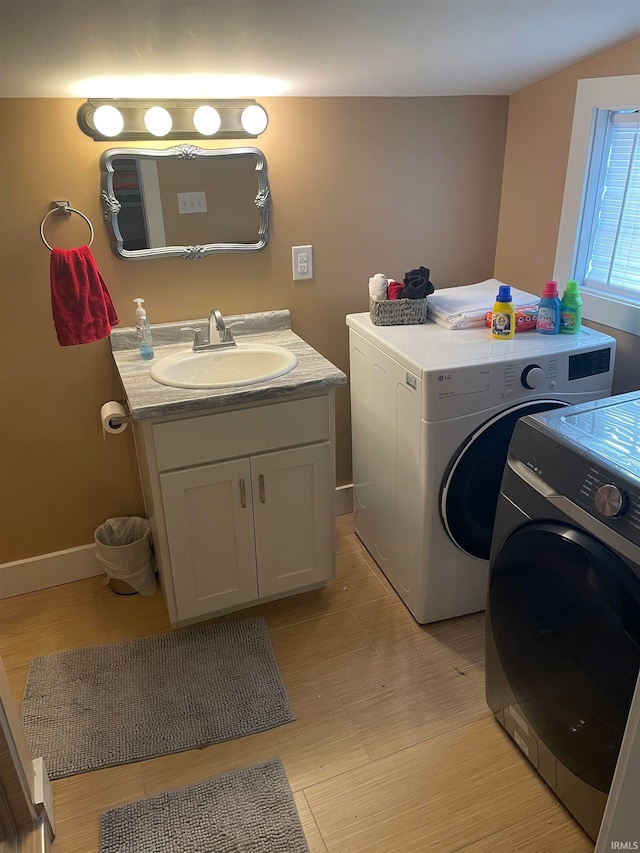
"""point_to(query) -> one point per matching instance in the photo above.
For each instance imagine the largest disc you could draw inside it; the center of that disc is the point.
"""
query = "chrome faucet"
(217, 335)
(217, 323)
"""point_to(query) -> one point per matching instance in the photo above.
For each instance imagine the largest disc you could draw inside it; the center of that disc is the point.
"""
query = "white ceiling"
(317, 47)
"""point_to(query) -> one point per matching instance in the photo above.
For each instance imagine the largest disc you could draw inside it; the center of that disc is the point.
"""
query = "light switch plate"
(192, 202)
(302, 262)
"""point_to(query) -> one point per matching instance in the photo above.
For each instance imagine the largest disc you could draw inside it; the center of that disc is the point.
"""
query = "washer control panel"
(560, 372)
(495, 380)
(522, 377)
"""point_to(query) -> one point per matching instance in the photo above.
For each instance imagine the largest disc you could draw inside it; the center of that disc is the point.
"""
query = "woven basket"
(398, 312)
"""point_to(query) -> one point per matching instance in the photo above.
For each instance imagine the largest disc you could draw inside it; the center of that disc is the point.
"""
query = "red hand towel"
(394, 288)
(82, 308)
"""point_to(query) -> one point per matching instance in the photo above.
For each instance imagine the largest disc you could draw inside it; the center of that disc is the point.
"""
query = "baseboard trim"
(75, 564)
(48, 570)
(344, 499)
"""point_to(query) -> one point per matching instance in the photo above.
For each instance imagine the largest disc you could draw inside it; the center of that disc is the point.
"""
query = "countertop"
(149, 399)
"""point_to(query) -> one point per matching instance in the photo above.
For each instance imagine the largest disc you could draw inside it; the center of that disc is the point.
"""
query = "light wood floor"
(393, 749)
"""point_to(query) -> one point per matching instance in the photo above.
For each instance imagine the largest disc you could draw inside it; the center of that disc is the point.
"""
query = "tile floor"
(393, 749)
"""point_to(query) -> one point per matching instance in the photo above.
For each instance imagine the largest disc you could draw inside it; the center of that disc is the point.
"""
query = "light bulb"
(206, 120)
(254, 119)
(108, 120)
(158, 121)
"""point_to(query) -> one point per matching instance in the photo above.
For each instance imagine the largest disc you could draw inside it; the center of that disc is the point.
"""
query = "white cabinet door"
(209, 525)
(292, 510)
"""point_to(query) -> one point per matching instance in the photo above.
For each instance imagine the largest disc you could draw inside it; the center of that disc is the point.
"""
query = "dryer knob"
(609, 501)
(532, 376)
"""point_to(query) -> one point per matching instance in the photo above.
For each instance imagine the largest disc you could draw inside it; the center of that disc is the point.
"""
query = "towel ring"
(63, 208)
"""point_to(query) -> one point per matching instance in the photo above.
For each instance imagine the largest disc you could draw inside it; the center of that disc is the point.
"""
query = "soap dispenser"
(143, 332)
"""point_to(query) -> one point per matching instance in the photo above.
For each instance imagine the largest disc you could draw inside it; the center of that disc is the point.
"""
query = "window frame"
(600, 93)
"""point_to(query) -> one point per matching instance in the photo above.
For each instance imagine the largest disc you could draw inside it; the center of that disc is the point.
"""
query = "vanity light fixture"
(158, 121)
(121, 118)
(108, 121)
(253, 119)
(206, 120)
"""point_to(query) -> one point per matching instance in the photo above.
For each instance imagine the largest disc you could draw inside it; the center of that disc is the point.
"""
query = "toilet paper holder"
(114, 417)
(116, 420)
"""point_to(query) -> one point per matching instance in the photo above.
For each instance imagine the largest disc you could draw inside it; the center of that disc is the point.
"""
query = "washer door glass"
(564, 612)
(471, 486)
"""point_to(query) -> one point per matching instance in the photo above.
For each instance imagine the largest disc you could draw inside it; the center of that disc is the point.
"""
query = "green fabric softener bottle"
(571, 309)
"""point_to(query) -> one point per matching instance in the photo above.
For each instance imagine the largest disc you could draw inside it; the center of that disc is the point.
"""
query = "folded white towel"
(378, 287)
(458, 323)
(466, 307)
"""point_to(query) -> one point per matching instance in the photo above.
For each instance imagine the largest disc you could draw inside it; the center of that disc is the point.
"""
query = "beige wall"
(230, 187)
(538, 138)
(375, 185)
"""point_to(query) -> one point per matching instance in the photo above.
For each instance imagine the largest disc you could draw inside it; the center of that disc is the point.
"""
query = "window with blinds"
(607, 256)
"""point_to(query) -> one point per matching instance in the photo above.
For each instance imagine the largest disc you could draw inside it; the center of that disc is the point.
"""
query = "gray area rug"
(114, 704)
(244, 811)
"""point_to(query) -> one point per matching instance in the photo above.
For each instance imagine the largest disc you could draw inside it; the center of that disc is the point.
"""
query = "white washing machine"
(433, 411)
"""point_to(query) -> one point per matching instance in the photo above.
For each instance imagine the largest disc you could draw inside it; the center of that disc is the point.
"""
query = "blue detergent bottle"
(549, 310)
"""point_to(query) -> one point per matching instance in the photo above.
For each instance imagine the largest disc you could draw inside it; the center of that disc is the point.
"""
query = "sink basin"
(244, 364)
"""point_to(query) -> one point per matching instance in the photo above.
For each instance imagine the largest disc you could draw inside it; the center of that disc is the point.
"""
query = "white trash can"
(123, 546)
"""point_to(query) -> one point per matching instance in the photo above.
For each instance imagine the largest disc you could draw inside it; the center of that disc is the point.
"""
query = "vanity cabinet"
(248, 529)
(241, 503)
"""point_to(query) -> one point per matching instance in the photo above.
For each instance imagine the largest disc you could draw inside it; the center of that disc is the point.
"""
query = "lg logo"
(443, 377)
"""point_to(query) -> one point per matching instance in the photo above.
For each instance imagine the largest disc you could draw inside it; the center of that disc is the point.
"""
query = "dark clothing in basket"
(417, 284)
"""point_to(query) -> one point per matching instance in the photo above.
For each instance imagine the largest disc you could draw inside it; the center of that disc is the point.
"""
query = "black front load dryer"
(563, 614)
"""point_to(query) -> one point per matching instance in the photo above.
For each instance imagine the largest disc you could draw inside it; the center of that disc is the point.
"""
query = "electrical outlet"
(302, 262)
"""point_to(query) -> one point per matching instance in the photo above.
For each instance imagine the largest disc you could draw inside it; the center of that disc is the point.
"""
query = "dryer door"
(471, 485)
(564, 612)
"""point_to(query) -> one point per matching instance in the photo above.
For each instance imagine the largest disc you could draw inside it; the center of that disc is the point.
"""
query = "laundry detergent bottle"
(571, 309)
(503, 321)
(548, 322)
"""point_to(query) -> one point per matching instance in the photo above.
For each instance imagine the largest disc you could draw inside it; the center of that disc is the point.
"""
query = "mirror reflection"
(185, 201)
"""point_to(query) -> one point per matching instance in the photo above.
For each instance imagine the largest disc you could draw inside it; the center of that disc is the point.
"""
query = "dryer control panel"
(608, 497)
(602, 492)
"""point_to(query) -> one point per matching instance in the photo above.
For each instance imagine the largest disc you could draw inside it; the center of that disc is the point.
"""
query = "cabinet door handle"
(243, 495)
(261, 481)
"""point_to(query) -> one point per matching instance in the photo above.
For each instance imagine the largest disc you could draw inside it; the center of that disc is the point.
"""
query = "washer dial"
(532, 376)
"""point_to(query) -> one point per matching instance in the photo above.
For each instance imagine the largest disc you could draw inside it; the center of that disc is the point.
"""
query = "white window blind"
(611, 262)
